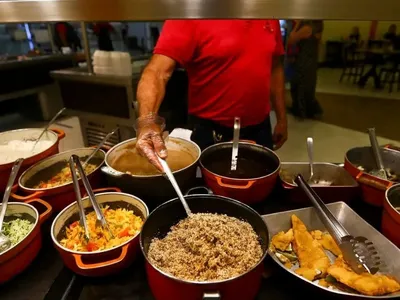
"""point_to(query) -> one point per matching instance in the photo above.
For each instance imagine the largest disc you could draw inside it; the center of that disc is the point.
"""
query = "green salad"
(16, 230)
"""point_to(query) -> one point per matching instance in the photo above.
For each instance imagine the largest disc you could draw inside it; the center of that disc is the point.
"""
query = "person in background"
(391, 34)
(65, 35)
(103, 32)
(234, 69)
(306, 35)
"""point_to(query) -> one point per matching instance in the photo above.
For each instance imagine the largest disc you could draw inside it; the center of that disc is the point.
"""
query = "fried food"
(366, 284)
(327, 241)
(282, 240)
(313, 260)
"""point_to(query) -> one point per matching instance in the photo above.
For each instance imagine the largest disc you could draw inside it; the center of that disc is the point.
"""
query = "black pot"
(166, 287)
(153, 189)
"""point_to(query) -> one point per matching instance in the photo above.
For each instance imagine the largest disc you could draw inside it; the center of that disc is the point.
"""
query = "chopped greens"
(16, 230)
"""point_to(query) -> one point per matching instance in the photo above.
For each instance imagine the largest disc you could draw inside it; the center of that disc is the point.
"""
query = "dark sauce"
(253, 162)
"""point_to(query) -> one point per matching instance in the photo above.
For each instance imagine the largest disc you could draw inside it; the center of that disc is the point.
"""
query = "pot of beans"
(361, 165)
(22, 225)
(254, 178)
(50, 179)
(127, 169)
(215, 253)
(19, 143)
(103, 254)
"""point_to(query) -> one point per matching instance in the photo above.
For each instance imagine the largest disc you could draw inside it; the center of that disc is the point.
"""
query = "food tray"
(344, 187)
(353, 223)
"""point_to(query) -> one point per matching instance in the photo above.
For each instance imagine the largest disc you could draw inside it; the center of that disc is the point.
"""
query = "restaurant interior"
(87, 90)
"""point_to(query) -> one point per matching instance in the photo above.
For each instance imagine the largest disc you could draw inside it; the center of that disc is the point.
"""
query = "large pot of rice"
(19, 143)
(216, 253)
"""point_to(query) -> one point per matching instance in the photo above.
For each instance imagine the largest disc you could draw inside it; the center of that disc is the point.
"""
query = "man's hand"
(150, 143)
(280, 134)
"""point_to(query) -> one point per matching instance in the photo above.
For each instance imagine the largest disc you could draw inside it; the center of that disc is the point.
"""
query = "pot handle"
(83, 266)
(392, 147)
(212, 296)
(205, 191)
(287, 186)
(44, 215)
(105, 148)
(26, 198)
(234, 186)
(108, 171)
(102, 190)
(375, 183)
(60, 133)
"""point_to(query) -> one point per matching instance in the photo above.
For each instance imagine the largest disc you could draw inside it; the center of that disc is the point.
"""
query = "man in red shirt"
(234, 69)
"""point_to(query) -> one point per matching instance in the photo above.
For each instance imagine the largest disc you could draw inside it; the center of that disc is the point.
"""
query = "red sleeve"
(279, 48)
(177, 40)
(61, 29)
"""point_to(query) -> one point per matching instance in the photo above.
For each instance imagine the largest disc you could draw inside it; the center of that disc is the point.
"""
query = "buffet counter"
(47, 279)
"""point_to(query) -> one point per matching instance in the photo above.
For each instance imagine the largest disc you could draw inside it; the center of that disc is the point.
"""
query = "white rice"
(15, 149)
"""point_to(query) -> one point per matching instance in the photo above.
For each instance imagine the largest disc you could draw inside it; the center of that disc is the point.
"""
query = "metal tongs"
(358, 252)
(235, 144)
(76, 165)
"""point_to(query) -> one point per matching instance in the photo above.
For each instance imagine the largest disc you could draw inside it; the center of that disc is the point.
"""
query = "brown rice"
(207, 247)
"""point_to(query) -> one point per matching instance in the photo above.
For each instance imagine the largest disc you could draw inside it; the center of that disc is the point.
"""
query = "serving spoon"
(5, 242)
(171, 178)
(47, 127)
(235, 143)
(381, 172)
(105, 139)
(310, 151)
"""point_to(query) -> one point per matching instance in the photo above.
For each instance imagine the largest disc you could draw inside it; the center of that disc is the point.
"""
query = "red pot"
(99, 263)
(373, 188)
(60, 196)
(19, 257)
(391, 216)
(167, 287)
(258, 167)
(54, 135)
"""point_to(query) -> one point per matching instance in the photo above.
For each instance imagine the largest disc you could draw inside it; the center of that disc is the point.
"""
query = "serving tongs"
(235, 143)
(381, 172)
(76, 165)
(358, 252)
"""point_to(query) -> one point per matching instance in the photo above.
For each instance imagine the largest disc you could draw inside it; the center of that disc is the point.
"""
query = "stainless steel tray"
(322, 171)
(356, 226)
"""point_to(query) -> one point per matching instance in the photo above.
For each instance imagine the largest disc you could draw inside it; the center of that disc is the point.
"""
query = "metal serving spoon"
(310, 151)
(235, 144)
(5, 242)
(381, 172)
(47, 127)
(171, 178)
(99, 146)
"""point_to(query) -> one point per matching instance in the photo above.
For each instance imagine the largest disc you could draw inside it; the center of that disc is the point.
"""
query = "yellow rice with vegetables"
(123, 223)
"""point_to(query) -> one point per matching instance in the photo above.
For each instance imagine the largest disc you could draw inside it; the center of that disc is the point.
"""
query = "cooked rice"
(122, 223)
(207, 247)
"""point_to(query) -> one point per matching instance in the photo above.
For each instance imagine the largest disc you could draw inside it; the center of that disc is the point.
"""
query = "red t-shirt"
(228, 64)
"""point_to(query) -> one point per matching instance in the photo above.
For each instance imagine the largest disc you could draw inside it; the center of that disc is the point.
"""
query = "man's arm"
(151, 87)
(278, 88)
(278, 101)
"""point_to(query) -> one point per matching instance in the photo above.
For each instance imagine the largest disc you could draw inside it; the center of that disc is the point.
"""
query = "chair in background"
(353, 64)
